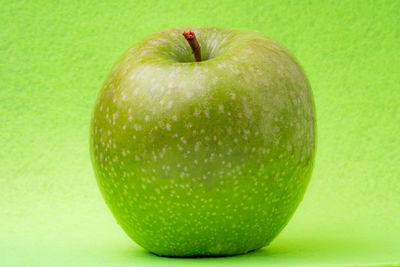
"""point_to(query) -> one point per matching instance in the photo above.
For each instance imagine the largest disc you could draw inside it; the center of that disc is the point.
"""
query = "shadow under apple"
(326, 250)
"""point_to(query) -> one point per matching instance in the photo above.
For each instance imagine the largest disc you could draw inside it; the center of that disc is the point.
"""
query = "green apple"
(204, 158)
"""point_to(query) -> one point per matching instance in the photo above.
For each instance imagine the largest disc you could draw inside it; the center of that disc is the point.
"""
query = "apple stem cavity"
(194, 44)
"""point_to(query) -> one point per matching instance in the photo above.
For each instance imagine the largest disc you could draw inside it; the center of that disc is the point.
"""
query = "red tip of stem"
(188, 35)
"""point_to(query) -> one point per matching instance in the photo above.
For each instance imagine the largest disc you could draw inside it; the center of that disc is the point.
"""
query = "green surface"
(55, 56)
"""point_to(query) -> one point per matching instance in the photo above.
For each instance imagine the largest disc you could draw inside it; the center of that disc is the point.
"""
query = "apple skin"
(207, 158)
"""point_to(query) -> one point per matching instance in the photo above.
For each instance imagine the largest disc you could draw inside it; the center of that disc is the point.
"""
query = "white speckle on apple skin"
(228, 183)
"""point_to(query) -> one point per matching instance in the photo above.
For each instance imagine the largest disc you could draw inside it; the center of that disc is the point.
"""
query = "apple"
(206, 157)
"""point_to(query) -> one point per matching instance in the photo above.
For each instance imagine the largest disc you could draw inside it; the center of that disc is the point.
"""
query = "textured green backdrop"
(54, 56)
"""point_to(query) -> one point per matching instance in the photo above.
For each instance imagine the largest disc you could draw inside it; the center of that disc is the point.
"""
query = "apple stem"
(194, 44)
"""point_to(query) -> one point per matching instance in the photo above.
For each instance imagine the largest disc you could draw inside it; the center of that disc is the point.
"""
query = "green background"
(54, 56)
